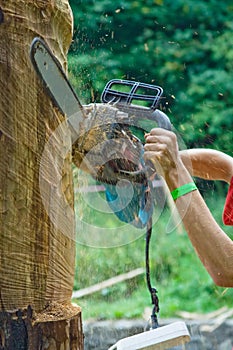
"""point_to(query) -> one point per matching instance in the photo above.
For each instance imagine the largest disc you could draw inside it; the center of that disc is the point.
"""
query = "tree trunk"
(36, 191)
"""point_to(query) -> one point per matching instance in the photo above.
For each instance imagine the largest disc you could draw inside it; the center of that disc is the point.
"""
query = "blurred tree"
(184, 46)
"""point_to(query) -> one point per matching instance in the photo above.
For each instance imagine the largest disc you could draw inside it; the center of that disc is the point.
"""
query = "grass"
(176, 272)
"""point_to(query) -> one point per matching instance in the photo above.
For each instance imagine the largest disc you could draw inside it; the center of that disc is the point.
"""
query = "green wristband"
(182, 190)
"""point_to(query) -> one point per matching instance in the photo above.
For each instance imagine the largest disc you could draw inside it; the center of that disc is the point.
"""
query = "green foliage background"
(182, 282)
(185, 46)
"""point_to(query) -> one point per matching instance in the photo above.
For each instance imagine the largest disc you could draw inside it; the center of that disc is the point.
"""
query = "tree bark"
(36, 205)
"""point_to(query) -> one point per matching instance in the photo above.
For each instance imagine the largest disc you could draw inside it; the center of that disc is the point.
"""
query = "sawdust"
(56, 312)
(107, 144)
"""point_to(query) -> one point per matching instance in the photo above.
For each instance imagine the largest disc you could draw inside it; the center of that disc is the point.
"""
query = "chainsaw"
(138, 100)
(132, 108)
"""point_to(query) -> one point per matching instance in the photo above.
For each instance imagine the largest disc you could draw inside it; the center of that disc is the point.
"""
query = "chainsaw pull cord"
(152, 290)
(163, 122)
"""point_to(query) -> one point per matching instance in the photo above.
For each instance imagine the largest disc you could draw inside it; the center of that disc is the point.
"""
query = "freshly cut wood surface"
(37, 257)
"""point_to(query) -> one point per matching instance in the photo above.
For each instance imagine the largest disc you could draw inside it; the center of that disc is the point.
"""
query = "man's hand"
(161, 149)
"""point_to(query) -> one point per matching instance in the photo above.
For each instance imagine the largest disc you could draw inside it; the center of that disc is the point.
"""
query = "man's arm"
(213, 246)
(208, 164)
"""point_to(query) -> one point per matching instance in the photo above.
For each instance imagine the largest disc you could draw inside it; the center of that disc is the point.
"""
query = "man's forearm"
(213, 246)
(208, 164)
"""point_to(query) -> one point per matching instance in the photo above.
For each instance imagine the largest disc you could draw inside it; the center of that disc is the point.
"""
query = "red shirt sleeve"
(228, 208)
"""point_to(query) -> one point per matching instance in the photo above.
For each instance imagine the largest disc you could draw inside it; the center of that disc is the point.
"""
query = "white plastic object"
(156, 339)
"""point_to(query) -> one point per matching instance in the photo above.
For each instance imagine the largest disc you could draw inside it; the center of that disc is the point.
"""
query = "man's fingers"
(155, 147)
(159, 133)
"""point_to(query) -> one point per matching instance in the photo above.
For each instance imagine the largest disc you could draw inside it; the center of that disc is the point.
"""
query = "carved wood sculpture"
(37, 243)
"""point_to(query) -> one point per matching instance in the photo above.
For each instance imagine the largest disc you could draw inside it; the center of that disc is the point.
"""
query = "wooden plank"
(218, 321)
(198, 316)
(107, 283)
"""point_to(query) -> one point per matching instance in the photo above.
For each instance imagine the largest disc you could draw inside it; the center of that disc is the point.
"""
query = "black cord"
(152, 290)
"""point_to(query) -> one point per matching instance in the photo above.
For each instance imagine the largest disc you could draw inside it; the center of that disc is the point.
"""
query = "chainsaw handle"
(123, 93)
(162, 119)
(143, 115)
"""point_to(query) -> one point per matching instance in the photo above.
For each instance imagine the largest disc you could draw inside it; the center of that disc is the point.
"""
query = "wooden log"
(57, 327)
(37, 255)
